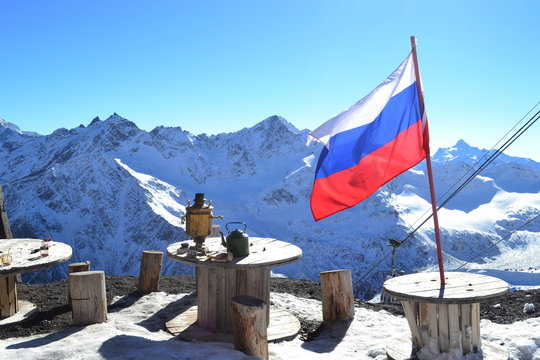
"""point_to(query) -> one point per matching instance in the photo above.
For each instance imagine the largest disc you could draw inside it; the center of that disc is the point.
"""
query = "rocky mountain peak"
(7, 125)
(461, 151)
(95, 120)
(276, 123)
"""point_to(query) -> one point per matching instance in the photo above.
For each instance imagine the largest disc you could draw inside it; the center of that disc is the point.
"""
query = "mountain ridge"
(111, 190)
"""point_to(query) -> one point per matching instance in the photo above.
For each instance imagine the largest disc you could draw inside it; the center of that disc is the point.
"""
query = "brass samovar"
(198, 220)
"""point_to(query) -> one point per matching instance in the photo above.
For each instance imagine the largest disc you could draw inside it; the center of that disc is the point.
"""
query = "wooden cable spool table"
(448, 316)
(219, 282)
(25, 257)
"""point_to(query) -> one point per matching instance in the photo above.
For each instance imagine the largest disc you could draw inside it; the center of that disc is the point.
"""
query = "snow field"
(135, 332)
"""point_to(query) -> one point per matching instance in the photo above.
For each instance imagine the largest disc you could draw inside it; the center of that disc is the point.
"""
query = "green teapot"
(237, 241)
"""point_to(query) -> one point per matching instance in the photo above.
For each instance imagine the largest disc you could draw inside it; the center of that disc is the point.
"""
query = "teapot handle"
(235, 222)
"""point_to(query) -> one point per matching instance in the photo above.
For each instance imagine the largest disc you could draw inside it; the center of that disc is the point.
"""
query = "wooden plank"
(475, 324)
(409, 308)
(241, 282)
(432, 321)
(265, 288)
(256, 283)
(422, 315)
(8, 296)
(416, 308)
(202, 296)
(222, 302)
(229, 292)
(12, 289)
(212, 300)
(466, 328)
(453, 328)
(444, 338)
(253, 282)
(4, 298)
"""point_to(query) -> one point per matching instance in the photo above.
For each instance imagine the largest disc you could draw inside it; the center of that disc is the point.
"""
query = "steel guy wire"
(495, 243)
(483, 157)
(488, 161)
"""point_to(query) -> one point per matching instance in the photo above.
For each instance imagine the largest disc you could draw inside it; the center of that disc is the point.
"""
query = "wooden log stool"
(150, 271)
(73, 268)
(249, 326)
(337, 295)
(88, 297)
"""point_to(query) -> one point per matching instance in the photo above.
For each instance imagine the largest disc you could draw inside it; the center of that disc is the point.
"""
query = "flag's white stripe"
(367, 109)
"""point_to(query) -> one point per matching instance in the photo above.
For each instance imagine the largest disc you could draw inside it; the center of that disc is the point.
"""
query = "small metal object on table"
(24, 257)
(445, 315)
(218, 282)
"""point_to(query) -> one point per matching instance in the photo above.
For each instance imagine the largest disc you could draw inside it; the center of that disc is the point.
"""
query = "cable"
(492, 245)
(372, 268)
(509, 142)
(484, 157)
(488, 161)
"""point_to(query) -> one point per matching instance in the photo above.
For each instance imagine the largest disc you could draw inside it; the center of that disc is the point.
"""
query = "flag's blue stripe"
(349, 147)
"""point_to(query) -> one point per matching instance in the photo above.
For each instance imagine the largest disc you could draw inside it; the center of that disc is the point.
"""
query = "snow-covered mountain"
(7, 125)
(111, 190)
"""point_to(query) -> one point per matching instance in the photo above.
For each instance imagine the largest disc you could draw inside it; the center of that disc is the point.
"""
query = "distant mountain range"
(111, 190)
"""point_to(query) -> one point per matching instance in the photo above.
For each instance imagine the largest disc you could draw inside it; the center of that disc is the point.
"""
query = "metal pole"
(428, 163)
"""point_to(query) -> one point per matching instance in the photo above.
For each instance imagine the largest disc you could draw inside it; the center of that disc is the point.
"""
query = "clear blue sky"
(213, 66)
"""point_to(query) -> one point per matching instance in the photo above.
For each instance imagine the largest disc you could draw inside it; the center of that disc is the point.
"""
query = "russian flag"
(369, 144)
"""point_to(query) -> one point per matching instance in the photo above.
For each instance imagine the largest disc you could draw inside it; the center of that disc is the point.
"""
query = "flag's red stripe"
(348, 187)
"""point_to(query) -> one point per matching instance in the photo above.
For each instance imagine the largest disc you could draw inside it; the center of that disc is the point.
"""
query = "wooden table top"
(23, 260)
(460, 287)
(262, 252)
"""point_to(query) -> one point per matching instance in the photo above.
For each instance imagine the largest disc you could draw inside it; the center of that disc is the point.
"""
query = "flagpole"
(428, 163)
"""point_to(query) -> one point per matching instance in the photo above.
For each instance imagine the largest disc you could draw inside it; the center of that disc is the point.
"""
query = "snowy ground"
(132, 333)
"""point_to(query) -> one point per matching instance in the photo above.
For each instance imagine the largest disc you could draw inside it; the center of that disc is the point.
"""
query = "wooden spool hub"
(8, 296)
(447, 316)
(337, 295)
(88, 297)
(456, 327)
(73, 268)
(249, 326)
(216, 286)
(150, 271)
